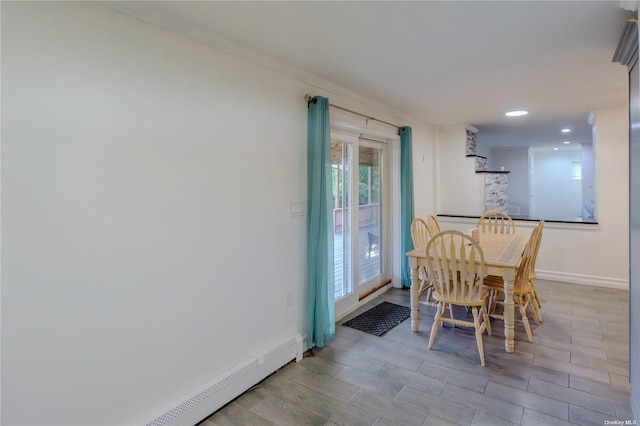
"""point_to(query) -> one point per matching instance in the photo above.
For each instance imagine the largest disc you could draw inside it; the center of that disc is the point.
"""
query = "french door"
(361, 217)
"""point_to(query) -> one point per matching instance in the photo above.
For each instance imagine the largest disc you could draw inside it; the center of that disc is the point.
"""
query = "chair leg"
(493, 300)
(479, 330)
(539, 312)
(531, 303)
(485, 314)
(436, 321)
(535, 295)
(535, 305)
(525, 319)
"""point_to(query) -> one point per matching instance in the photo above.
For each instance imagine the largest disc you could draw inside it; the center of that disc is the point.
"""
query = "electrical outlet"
(289, 295)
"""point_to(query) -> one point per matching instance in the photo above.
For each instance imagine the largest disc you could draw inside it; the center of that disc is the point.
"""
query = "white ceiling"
(440, 63)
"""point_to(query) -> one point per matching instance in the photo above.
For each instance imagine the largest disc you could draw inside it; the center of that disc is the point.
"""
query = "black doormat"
(379, 319)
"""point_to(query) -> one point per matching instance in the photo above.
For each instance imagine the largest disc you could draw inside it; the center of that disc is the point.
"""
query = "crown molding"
(147, 13)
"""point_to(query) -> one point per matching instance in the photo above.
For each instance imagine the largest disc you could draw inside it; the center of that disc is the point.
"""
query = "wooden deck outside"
(370, 263)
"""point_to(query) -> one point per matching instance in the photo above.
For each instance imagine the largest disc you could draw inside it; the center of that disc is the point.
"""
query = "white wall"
(612, 188)
(424, 171)
(460, 188)
(147, 244)
(556, 194)
(146, 181)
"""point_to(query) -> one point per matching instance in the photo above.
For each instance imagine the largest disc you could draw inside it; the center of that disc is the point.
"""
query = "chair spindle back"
(456, 265)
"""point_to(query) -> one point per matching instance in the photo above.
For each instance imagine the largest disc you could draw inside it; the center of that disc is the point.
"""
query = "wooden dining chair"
(533, 275)
(523, 296)
(419, 232)
(433, 225)
(457, 269)
(420, 236)
(496, 222)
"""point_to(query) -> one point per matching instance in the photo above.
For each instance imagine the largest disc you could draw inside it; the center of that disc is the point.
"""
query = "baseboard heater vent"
(197, 405)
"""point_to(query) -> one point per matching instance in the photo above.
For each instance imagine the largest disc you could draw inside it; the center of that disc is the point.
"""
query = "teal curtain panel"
(320, 297)
(406, 201)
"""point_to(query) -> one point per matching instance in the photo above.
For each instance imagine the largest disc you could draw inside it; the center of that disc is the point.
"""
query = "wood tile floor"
(575, 372)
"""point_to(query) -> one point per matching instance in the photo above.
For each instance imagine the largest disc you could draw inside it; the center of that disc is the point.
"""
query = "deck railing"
(367, 214)
(370, 261)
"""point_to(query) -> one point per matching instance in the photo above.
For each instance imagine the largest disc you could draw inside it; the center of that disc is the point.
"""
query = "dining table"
(502, 254)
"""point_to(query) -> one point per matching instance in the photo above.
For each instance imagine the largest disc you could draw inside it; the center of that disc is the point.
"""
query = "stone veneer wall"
(481, 163)
(471, 143)
(496, 187)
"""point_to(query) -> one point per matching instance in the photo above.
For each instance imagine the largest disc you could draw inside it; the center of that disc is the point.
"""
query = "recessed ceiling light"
(565, 130)
(566, 142)
(555, 149)
(516, 113)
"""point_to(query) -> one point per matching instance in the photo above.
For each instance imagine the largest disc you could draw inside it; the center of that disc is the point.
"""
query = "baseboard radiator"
(197, 405)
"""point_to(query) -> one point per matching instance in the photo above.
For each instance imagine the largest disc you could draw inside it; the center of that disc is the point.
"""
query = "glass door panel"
(358, 189)
(370, 248)
(341, 156)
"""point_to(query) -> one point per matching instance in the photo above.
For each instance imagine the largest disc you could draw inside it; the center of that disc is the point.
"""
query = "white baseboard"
(213, 395)
(584, 279)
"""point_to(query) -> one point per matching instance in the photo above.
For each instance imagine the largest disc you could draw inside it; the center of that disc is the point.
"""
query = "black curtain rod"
(362, 138)
(309, 98)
